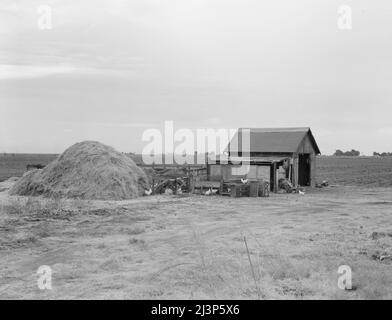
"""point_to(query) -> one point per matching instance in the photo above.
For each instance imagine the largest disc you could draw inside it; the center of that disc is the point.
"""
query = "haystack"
(86, 170)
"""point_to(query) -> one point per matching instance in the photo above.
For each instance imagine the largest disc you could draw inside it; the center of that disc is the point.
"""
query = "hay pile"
(86, 170)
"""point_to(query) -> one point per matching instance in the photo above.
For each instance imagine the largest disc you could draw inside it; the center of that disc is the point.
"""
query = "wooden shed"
(271, 154)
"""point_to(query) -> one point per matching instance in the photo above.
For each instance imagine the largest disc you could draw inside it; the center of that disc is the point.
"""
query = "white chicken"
(168, 191)
(301, 192)
(148, 192)
(244, 181)
(209, 192)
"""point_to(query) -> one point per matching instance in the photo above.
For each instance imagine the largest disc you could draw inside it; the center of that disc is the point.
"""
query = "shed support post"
(274, 168)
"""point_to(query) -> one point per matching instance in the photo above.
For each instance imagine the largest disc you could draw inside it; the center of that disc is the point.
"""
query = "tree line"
(383, 154)
(356, 153)
(352, 153)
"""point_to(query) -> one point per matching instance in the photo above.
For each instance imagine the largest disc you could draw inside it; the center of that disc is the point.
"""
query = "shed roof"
(251, 160)
(275, 140)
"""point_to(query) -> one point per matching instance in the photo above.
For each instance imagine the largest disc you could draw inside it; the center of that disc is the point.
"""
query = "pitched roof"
(259, 160)
(285, 140)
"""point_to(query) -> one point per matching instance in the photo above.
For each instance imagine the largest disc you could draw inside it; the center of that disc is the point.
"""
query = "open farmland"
(355, 171)
(14, 164)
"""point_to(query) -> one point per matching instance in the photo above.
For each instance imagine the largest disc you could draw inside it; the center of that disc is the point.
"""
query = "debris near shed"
(323, 184)
(176, 185)
(286, 185)
(250, 188)
(264, 189)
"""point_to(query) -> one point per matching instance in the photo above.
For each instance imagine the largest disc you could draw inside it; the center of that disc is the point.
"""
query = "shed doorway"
(304, 169)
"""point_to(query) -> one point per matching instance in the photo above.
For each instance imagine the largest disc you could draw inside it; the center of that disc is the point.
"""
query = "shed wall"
(306, 146)
(234, 172)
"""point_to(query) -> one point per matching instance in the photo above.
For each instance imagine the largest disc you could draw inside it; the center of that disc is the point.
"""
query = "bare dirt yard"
(172, 247)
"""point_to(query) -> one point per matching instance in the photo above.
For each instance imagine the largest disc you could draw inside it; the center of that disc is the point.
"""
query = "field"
(200, 247)
(357, 171)
(14, 165)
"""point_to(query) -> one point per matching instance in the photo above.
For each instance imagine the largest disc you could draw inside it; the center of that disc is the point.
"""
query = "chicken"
(148, 192)
(244, 181)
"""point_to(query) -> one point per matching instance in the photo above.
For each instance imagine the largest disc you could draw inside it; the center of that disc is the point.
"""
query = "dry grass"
(193, 247)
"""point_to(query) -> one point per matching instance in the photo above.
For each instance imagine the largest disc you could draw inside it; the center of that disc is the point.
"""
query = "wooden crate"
(254, 189)
(235, 191)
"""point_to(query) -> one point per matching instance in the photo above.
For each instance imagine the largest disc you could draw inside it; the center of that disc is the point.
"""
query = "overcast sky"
(109, 69)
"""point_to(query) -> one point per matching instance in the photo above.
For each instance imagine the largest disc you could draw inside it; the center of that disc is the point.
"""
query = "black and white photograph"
(195, 150)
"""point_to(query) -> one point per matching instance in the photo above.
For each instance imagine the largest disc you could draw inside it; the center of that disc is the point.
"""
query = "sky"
(108, 70)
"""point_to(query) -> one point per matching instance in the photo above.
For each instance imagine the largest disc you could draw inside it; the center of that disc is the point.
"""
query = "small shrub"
(136, 231)
(139, 242)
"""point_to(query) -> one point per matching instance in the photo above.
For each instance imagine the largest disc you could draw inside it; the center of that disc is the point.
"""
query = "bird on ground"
(209, 192)
(148, 192)
(244, 181)
(301, 192)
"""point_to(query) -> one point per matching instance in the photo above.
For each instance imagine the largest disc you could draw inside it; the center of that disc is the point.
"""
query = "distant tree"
(383, 154)
(338, 153)
(352, 153)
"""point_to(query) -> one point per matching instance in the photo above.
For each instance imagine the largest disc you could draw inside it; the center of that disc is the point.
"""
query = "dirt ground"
(180, 247)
